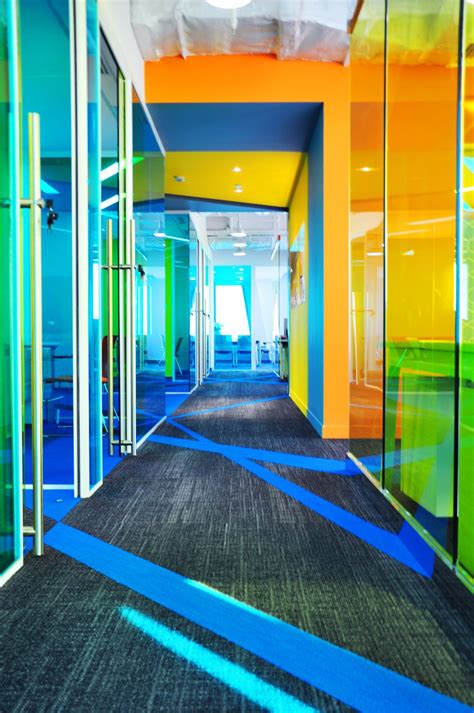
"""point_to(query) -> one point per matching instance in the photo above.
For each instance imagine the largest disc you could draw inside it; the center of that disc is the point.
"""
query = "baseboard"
(315, 422)
(298, 402)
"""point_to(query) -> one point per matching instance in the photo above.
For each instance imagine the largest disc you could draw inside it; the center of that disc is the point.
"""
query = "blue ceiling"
(203, 205)
(236, 127)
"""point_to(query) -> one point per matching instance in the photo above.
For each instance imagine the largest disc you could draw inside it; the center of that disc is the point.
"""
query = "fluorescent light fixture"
(239, 245)
(46, 188)
(238, 234)
(433, 220)
(409, 253)
(374, 254)
(366, 169)
(228, 4)
(469, 188)
(275, 248)
(109, 201)
(113, 169)
(159, 234)
(237, 169)
(239, 253)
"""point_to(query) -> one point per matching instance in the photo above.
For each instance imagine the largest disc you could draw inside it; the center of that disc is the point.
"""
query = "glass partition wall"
(10, 463)
(366, 237)
(465, 270)
(411, 238)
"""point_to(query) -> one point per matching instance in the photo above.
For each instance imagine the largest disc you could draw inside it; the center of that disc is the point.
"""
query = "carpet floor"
(204, 515)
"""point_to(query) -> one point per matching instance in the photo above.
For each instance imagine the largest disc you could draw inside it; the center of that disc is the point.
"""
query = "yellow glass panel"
(366, 237)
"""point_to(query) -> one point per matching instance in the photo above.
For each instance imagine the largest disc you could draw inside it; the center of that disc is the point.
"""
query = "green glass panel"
(177, 302)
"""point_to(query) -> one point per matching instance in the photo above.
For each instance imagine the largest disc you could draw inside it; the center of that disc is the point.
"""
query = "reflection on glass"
(148, 213)
(42, 73)
(420, 259)
(9, 475)
(466, 310)
(232, 334)
(366, 238)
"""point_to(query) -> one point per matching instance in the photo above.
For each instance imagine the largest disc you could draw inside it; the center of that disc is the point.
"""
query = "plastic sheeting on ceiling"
(289, 29)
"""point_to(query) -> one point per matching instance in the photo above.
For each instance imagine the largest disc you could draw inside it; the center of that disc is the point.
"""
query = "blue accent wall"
(315, 288)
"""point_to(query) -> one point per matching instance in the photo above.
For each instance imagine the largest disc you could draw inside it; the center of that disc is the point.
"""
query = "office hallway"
(235, 495)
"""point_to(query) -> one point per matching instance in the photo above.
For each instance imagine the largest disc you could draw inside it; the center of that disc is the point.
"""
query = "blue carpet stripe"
(317, 464)
(409, 548)
(342, 674)
(386, 542)
(236, 677)
(230, 406)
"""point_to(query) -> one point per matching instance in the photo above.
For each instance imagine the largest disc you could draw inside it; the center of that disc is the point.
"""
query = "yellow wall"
(257, 78)
(298, 214)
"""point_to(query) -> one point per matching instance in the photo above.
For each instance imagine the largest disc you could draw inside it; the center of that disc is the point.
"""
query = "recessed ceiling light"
(228, 4)
(239, 253)
(366, 169)
(238, 234)
(374, 254)
(239, 245)
(159, 234)
(179, 179)
(237, 169)
(238, 188)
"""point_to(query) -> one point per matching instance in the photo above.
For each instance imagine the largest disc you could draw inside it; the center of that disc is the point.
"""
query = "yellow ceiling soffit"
(266, 177)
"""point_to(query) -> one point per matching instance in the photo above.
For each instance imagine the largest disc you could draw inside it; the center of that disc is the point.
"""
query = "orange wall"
(266, 79)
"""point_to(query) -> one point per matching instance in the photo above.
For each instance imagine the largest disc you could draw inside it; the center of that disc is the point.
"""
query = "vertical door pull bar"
(110, 334)
(133, 339)
(35, 204)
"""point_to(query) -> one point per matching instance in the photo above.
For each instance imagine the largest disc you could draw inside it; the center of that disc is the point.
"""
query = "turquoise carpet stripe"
(236, 677)
(342, 674)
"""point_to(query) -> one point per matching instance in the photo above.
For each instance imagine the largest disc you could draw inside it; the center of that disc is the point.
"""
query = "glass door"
(10, 462)
(48, 255)
(149, 271)
(118, 269)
